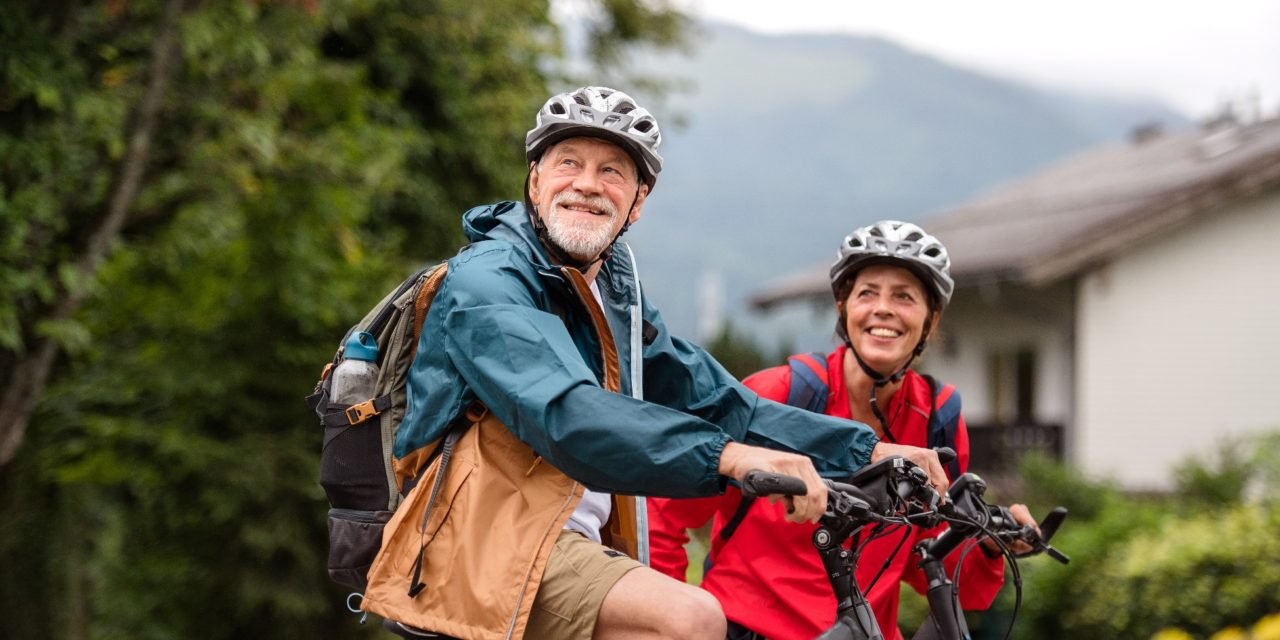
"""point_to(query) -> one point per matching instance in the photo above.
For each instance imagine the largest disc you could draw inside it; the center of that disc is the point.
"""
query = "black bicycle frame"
(854, 618)
(945, 619)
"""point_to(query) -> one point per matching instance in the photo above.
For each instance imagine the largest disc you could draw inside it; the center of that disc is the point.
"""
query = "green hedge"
(1203, 559)
(1198, 573)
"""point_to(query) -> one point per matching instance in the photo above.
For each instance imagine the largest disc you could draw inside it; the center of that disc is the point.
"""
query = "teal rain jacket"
(507, 329)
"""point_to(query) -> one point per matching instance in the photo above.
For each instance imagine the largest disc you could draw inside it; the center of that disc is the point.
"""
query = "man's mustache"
(598, 203)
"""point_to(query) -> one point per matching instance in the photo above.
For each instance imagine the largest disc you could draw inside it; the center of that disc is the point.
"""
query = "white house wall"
(1178, 346)
(990, 318)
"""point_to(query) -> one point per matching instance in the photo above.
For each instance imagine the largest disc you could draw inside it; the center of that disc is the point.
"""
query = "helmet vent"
(897, 242)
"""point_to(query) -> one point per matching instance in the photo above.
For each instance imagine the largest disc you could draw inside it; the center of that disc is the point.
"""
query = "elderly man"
(565, 395)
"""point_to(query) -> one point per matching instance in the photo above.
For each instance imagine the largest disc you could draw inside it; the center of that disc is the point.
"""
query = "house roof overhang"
(1087, 209)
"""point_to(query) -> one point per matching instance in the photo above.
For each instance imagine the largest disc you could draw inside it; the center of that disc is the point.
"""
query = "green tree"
(738, 353)
(196, 199)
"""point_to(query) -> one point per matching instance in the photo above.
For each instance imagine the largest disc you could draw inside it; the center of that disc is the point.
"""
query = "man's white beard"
(581, 238)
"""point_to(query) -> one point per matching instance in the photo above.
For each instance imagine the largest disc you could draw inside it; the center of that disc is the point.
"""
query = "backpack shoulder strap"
(809, 387)
(808, 390)
(944, 419)
(422, 303)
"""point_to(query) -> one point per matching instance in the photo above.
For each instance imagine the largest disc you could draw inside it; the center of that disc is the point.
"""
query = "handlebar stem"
(946, 619)
(854, 617)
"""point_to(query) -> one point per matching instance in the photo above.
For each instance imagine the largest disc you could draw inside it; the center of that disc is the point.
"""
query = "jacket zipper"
(515, 615)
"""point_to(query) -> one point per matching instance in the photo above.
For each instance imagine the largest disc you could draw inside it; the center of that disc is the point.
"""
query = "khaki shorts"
(579, 573)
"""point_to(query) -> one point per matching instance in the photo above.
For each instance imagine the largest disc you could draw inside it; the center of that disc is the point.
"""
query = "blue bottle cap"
(361, 346)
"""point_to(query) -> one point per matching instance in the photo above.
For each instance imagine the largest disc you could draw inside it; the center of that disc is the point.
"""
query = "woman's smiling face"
(885, 314)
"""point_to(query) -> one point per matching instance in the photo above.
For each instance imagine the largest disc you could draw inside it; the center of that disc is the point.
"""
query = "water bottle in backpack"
(355, 379)
(351, 468)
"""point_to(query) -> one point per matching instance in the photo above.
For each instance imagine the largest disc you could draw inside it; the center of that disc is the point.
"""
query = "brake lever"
(1029, 534)
(918, 500)
(1039, 545)
(845, 500)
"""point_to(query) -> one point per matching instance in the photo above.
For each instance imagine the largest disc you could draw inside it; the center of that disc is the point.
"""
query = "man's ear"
(533, 181)
(641, 194)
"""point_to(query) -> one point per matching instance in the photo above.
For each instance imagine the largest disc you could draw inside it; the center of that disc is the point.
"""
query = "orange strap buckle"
(358, 413)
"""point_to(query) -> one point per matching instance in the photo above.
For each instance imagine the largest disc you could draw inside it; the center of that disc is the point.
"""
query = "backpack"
(809, 390)
(356, 461)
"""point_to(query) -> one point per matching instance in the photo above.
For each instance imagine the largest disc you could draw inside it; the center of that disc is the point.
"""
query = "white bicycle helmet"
(900, 243)
(599, 112)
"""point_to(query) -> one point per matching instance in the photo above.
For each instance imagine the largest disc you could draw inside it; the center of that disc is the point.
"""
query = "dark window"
(1025, 384)
(1011, 374)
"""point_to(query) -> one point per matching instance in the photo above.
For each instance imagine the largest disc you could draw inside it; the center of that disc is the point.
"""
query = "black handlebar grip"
(970, 484)
(945, 454)
(765, 483)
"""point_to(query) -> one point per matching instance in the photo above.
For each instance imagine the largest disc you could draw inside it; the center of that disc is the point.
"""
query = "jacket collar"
(508, 221)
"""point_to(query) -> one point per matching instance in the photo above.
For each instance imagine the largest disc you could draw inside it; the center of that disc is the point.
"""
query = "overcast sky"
(1192, 54)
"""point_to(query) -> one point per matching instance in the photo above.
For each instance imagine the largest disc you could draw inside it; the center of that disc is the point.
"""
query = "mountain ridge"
(790, 141)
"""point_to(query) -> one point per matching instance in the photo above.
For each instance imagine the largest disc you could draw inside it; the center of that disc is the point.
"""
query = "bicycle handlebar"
(893, 490)
(1008, 530)
(970, 517)
(891, 487)
(759, 483)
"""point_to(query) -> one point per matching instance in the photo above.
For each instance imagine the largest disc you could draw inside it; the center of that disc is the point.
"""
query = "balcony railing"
(996, 448)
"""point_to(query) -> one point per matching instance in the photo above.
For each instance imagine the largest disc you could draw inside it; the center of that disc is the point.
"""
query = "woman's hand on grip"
(926, 459)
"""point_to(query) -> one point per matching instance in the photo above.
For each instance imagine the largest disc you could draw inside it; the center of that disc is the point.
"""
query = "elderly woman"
(891, 283)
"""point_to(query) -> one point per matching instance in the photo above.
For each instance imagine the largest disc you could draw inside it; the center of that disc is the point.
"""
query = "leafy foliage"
(1221, 481)
(737, 353)
(1199, 573)
(308, 155)
(1197, 561)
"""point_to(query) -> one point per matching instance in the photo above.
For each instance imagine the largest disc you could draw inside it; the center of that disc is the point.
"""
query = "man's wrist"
(729, 457)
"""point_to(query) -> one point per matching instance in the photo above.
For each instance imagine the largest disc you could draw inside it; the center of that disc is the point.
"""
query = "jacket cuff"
(863, 456)
(714, 478)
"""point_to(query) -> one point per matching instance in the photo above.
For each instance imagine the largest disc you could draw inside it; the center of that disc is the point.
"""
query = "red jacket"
(768, 577)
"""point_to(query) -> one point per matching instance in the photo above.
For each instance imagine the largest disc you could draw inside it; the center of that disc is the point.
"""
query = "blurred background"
(197, 199)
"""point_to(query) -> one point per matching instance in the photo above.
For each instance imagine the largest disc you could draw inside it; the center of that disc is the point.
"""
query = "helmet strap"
(879, 379)
(626, 224)
(557, 255)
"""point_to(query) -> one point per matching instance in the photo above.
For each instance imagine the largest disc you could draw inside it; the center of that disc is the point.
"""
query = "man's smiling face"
(585, 189)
